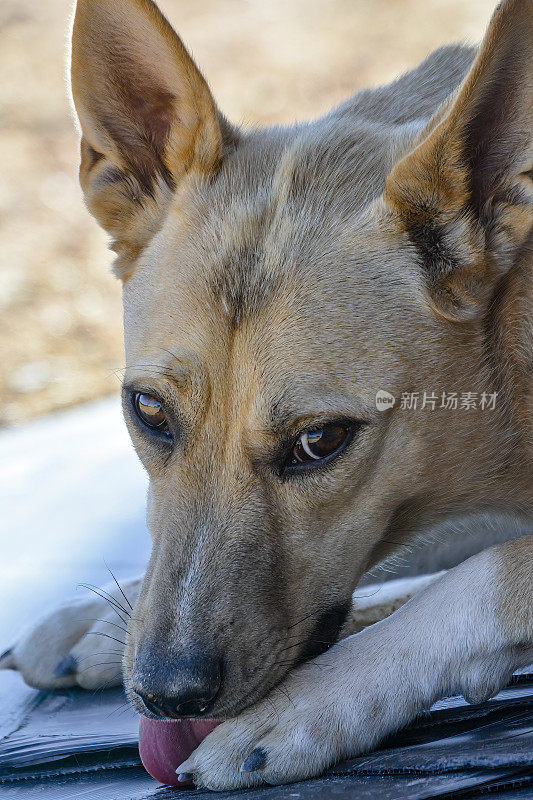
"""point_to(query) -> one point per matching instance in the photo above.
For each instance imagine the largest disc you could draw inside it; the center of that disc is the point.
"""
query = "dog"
(328, 332)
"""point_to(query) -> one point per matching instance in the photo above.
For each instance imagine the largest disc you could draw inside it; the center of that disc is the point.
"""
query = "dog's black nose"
(185, 686)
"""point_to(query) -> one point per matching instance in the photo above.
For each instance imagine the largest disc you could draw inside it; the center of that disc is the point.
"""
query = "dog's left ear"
(464, 196)
(147, 118)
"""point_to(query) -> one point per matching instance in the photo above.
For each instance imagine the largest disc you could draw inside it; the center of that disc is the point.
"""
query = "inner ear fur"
(464, 195)
(147, 118)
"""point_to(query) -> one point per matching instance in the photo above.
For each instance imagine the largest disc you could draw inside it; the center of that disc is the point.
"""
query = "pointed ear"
(464, 195)
(146, 114)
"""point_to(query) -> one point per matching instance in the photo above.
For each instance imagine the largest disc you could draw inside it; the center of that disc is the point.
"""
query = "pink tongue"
(165, 745)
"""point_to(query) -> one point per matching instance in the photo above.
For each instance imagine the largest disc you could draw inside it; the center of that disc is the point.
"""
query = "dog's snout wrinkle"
(184, 685)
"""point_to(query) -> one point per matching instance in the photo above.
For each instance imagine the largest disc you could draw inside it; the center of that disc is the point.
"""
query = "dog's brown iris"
(150, 410)
(318, 444)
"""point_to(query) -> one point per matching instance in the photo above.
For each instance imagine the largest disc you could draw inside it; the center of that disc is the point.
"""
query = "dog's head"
(275, 282)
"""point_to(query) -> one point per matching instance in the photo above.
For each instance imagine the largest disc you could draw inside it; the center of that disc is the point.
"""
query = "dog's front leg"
(464, 634)
(80, 643)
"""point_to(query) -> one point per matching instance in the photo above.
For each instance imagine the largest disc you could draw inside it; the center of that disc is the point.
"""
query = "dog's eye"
(150, 411)
(316, 445)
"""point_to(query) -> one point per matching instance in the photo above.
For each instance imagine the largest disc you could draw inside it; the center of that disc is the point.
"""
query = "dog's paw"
(483, 676)
(78, 644)
(304, 726)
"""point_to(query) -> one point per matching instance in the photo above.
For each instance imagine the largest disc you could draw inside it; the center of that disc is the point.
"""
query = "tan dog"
(275, 281)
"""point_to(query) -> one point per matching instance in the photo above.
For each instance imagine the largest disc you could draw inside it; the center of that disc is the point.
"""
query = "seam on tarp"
(426, 771)
(396, 771)
(13, 759)
(75, 770)
(430, 770)
(489, 787)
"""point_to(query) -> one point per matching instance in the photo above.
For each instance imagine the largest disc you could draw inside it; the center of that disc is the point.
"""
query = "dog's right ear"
(464, 195)
(147, 118)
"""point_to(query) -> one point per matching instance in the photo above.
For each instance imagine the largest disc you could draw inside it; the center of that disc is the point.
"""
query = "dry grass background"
(266, 61)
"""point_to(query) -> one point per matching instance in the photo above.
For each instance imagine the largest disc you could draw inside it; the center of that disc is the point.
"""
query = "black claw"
(6, 653)
(185, 777)
(255, 760)
(67, 666)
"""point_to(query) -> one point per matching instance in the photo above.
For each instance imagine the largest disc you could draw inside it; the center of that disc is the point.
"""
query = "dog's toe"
(66, 666)
(97, 661)
(7, 660)
(255, 760)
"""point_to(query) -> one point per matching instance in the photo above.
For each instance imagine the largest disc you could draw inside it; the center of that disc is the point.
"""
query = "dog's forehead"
(285, 242)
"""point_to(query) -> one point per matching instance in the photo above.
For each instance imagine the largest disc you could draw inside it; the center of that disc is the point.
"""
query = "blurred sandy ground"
(266, 61)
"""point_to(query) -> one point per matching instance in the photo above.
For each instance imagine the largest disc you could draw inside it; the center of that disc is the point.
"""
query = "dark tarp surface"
(76, 744)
